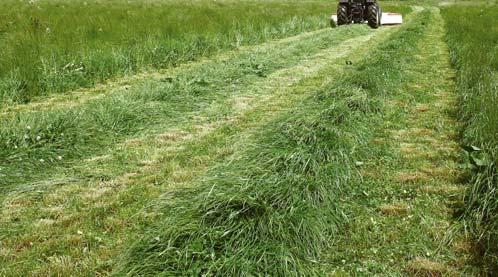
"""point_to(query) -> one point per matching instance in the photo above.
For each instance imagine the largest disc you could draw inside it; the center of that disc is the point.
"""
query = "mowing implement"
(363, 11)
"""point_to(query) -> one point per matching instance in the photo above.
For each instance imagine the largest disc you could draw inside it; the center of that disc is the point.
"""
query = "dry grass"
(395, 209)
(412, 177)
(443, 189)
(422, 267)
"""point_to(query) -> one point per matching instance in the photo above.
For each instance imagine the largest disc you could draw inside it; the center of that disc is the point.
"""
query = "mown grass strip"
(473, 43)
(402, 211)
(272, 209)
(34, 142)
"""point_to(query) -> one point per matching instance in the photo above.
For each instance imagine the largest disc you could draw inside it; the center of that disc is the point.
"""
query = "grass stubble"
(403, 210)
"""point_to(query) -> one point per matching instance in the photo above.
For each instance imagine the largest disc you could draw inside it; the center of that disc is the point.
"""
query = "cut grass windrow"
(34, 144)
(402, 211)
(272, 208)
(74, 225)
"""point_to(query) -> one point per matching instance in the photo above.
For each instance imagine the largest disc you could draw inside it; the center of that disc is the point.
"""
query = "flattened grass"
(270, 210)
(151, 166)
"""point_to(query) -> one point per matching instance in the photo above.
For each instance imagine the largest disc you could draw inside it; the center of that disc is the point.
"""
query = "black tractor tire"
(342, 15)
(374, 16)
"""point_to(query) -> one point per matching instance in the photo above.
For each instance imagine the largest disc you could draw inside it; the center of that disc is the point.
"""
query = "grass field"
(229, 138)
(474, 46)
(55, 46)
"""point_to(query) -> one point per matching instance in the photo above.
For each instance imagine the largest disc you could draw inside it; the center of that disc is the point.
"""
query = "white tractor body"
(387, 18)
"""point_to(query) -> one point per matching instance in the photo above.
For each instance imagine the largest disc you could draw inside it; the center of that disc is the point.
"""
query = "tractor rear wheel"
(342, 15)
(374, 16)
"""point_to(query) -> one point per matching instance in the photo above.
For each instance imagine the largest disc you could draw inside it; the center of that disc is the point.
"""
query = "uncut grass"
(54, 46)
(34, 143)
(273, 208)
(473, 43)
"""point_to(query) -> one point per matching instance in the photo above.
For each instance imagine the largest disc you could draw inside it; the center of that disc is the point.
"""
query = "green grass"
(402, 212)
(273, 208)
(267, 212)
(244, 164)
(473, 43)
(54, 159)
(36, 142)
(55, 46)
(165, 152)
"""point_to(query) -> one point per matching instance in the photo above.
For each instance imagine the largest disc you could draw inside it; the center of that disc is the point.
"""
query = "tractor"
(359, 11)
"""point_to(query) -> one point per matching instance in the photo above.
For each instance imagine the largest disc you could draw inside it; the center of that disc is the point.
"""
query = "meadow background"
(55, 46)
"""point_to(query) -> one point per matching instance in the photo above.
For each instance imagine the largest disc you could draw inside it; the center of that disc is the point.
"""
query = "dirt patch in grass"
(421, 108)
(443, 172)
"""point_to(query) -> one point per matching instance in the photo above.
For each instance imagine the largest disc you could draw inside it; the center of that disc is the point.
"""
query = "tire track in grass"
(403, 211)
(53, 217)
